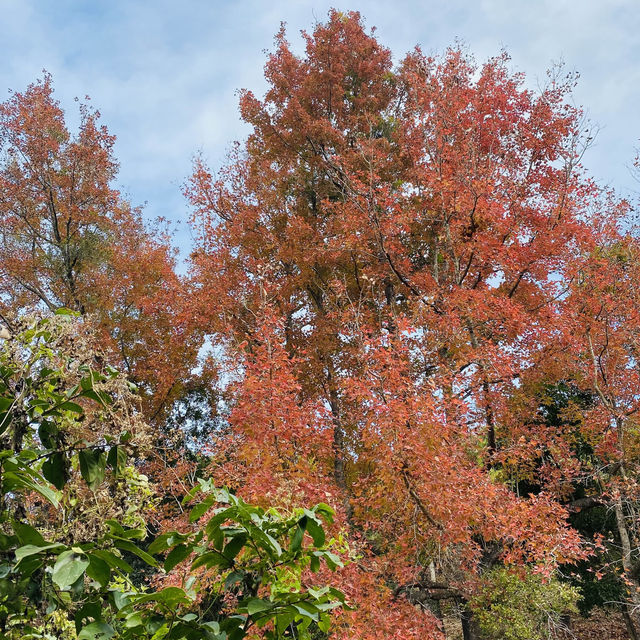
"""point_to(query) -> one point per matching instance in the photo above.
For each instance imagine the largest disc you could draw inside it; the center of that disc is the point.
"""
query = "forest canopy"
(407, 304)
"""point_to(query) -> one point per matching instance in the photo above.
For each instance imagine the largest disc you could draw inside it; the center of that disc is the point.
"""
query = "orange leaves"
(69, 239)
(395, 252)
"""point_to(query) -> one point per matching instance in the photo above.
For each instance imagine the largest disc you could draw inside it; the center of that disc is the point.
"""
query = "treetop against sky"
(165, 74)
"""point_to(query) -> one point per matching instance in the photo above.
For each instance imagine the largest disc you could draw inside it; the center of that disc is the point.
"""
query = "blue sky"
(164, 73)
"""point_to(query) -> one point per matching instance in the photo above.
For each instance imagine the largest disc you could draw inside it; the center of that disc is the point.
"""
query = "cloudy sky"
(164, 73)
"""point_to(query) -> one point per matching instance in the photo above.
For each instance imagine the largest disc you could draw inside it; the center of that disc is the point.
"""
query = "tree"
(70, 240)
(588, 454)
(383, 262)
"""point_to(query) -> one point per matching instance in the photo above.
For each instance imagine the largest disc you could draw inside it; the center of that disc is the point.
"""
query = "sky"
(165, 73)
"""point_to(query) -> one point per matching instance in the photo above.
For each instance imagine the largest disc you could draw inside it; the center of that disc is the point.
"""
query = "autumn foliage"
(69, 239)
(397, 262)
(420, 309)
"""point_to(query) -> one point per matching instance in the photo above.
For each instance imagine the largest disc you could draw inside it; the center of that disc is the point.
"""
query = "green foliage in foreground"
(240, 571)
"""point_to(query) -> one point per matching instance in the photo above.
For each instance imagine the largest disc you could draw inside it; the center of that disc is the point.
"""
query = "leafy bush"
(70, 435)
(520, 605)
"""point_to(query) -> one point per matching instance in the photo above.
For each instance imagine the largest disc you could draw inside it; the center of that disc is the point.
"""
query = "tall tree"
(69, 239)
(385, 259)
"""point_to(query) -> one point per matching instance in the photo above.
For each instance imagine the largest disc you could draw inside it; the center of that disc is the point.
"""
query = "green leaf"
(89, 610)
(98, 570)
(233, 578)
(314, 528)
(71, 406)
(21, 479)
(307, 609)
(210, 559)
(256, 605)
(120, 599)
(28, 535)
(48, 432)
(63, 311)
(5, 421)
(166, 541)
(133, 620)
(332, 560)
(298, 535)
(115, 527)
(54, 469)
(7, 542)
(68, 568)
(92, 466)
(93, 395)
(161, 543)
(114, 561)
(28, 565)
(171, 596)
(284, 618)
(31, 549)
(213, 527)
(200, 509)
(266, 541)
(177, 555)
(325, 511)
(127, 545)
(191, 494)
(117, 459)
(97, 631)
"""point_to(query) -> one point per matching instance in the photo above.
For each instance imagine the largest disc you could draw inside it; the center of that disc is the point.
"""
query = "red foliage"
(389, 262)
(70, 239)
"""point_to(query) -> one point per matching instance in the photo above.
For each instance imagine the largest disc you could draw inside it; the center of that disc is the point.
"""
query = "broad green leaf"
(256, 605)
(127, 545)
(98, 570)
(71, 406)
(306, 609)
(210, 559)
(114, 561)
(200, 509)
(22, 479)
(90, 611)
(325, 511)
(28, 535)
(298, 535)
(117, 459)
(314, 528)
(68, 568)
(47, 432)
(234, 546)
(171, 596)
(92, 466)
(176, 556)
(31, 549)
(28, 565)
(133, 620)
(97, 631)
(54, 469)
(284, 618)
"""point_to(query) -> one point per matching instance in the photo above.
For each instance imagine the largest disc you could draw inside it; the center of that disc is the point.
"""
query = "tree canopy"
(421, 316)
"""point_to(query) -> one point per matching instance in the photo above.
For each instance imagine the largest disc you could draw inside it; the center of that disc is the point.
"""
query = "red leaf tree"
(383, 262)
(69, 239)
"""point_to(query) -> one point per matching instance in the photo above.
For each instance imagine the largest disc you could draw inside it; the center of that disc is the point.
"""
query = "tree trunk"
(470, 629)
(631, 610)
